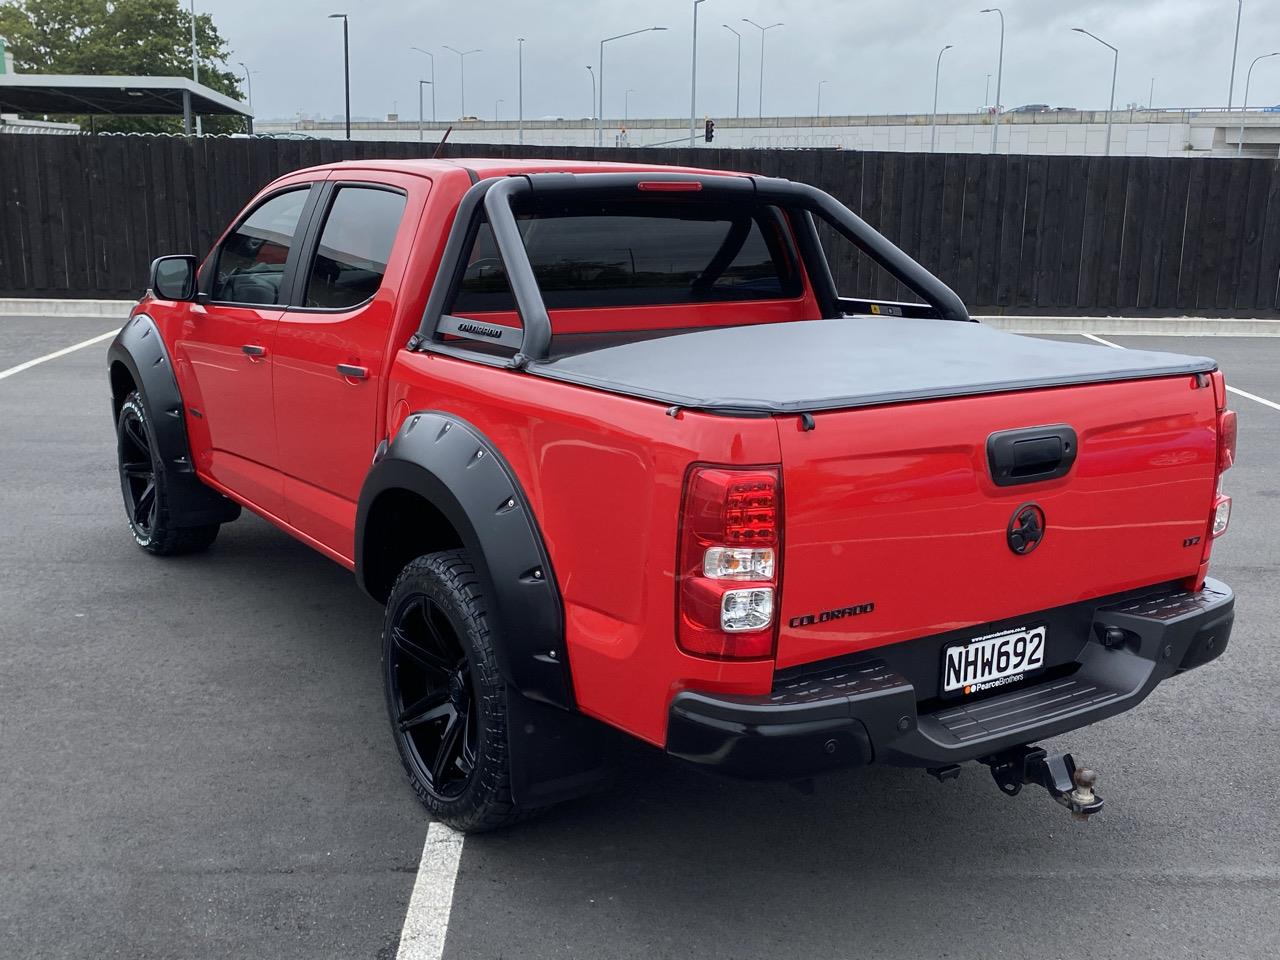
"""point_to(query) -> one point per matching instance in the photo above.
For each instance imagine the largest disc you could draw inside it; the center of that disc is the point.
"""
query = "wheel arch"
(138, 360)
(442, 484)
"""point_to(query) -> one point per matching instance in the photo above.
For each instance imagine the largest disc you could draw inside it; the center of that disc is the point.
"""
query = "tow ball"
(1068, 784)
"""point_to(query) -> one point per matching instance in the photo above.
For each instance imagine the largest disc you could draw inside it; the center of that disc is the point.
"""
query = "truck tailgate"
(896, 529)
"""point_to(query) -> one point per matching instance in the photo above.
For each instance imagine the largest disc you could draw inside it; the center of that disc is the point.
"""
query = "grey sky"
(877, 56)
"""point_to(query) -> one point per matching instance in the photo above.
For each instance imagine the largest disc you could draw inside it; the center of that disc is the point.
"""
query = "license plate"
(993, 661)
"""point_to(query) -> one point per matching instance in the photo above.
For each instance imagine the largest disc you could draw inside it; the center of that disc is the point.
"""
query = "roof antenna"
(440, 145)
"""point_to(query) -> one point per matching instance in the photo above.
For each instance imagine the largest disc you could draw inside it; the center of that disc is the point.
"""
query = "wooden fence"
(83, 216)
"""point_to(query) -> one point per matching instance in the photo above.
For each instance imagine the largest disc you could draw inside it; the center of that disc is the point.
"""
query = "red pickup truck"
(617, 455)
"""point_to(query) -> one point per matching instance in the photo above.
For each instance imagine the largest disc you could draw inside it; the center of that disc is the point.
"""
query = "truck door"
(331, 349)
(225, 344)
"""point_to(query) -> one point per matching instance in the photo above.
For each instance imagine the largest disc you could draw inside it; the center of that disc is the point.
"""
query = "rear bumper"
(866, 709)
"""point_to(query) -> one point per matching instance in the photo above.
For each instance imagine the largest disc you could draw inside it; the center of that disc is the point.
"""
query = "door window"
(354, 248)
(252, 259)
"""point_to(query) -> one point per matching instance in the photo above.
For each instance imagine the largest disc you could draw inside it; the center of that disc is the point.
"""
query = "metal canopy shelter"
(116, 96)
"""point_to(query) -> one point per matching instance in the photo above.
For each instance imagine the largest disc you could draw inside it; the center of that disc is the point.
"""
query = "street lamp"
(248, 84)
(520, 87)
(432, 81)
(462, 72)
(693, 75)
(1245, 105)
(1235, 52)
(495, 107)
(195, 61)
(346, 66)
(937, 73)
(763, 31)
(995, 131)
(1115, 67)
(600, 113)
(626, 106)
(591, 70)
(818, 111)
(421, 84)
(737, 100)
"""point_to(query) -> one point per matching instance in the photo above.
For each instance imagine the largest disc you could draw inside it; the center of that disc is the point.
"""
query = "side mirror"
(174, 278)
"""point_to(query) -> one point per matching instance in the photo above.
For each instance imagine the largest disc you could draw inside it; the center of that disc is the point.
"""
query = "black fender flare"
(140, 349)
(450, 464)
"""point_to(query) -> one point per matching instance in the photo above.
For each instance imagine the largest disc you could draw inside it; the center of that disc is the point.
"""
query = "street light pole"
(462, 73)
(937, 74)
(195, 59)
(986, 96)
(763, 31)
(421, 84)
(248, 85)
(346, 66)
(495, 107)
(520, 88)
(591, 70)
(737, 100)
(693, 75)
(626, 106)
(1115, 68)
(432, 81)
(600, 113)
(1245, 105)
(995, 132)
(818, 110)
(1235, 53)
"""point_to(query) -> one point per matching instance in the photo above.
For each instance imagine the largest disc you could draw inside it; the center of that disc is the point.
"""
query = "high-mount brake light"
(669, 186)
(729, 562)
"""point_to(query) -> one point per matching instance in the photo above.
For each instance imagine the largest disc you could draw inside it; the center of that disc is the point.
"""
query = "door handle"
(1031, 455)
(352, 372)
(253, 350)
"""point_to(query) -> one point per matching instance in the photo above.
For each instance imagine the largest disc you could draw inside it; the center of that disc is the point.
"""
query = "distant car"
(1065, 110)
(285, 135)
(468, 119)
(1031, 108)
(1275, 109)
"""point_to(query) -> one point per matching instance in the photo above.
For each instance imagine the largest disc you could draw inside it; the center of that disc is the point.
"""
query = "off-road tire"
(446, 587)
(143, 484)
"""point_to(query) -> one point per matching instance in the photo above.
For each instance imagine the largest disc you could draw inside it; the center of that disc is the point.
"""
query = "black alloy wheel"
(432, 699)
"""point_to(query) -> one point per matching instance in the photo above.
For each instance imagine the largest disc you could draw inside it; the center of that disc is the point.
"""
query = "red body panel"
(892, 506)
(896, 506)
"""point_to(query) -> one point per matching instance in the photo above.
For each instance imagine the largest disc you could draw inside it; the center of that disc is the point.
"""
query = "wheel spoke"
(138, 469)
(438, 638)
(431, 707)
(419, 652)
(448, 754)
(467, 756)
(146, 501)
(133, 428)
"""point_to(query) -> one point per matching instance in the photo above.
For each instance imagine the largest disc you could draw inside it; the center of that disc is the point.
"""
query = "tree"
(124, 38)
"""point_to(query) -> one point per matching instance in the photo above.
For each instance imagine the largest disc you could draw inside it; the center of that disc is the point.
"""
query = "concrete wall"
(1136, 134)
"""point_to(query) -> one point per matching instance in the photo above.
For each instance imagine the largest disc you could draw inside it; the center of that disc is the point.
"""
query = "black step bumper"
(868, 709)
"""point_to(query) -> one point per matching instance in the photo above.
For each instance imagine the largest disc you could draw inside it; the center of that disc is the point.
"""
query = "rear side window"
(355, 246)
(630, 253)
(251, 262)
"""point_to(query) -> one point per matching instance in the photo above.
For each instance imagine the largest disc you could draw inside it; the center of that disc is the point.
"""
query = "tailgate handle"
(1031, 454)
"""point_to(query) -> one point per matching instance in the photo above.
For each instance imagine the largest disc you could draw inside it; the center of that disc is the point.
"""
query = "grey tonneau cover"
(815, 365)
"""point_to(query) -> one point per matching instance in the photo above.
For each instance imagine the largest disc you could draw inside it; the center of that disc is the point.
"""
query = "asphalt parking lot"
(194, 762)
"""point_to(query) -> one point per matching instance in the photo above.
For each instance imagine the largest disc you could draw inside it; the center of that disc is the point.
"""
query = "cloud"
(878, 57)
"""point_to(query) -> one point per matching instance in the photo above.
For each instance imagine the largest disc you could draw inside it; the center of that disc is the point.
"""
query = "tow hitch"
(1068, 784)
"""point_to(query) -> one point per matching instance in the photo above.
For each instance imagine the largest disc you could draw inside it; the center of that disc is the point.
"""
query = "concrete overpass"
(1141, 133)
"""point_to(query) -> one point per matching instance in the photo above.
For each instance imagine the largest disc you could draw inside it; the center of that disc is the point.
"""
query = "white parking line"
(56, 354)
(427, 920)
(1230, 389)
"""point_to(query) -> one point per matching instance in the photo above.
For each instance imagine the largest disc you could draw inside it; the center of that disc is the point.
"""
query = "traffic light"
(709, 133)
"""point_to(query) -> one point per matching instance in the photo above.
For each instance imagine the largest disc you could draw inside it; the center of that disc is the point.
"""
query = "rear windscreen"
(631, 253)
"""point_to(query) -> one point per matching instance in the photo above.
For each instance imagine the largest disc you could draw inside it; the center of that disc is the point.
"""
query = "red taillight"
(729, 563)
(1226, 440)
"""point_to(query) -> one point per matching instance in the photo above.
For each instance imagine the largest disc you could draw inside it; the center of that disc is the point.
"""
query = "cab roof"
(484, 167)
